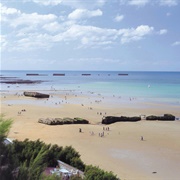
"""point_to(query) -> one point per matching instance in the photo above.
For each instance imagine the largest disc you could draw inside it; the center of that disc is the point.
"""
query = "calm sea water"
(152, 86)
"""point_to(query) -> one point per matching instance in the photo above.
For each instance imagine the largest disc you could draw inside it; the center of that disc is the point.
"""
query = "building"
(64, 170)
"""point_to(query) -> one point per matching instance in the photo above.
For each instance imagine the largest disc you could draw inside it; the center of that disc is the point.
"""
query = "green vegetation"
(5, 126)
(28, 159)
(34, 169)
(95, 173)
(28, 151)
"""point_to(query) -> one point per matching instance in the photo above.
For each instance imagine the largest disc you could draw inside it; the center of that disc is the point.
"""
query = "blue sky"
(138, 35)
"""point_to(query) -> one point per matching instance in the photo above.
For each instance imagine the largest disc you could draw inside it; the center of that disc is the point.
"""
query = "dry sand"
(120, 150)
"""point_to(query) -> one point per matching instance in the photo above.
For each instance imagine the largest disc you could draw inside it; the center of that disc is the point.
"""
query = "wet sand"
(120, 150)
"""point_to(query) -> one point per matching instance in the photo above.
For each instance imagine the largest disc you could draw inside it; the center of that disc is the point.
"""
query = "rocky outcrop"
(60, 121)
(113, 119)
(78, 120)
(166, 117)
(51, 121)
(36, 95)
(21, 81)
(152, 118)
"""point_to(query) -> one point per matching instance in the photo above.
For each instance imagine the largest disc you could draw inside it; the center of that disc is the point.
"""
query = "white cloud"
(129, 35)
(119, 18)
(163, 31)
(3, 42)
(53, 27)
(84, 13)
(34, 31)
(142, 3)
(71, 3)
(168, 2)
(138, 2)
(25, 30)
(177, 43)
(45, 2)
(8, 11)
(33, 41)
(32, 19)
(84, 4)
(87, 34)
(91, 36)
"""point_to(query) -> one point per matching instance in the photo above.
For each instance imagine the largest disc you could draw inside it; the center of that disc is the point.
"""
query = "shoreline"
(89, 98)
(120, 150)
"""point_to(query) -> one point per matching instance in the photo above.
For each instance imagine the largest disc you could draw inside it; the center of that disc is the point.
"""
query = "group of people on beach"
(23, 110)
(101, 134)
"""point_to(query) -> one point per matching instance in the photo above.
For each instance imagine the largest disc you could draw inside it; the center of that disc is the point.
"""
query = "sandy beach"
(120, 150)
(93, 59)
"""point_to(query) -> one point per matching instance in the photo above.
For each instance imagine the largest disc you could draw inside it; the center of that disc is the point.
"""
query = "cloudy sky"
(90, 35)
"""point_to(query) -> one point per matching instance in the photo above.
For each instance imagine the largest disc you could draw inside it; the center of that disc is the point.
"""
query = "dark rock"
(134, 119)
(59, 121)
(21, 81)
(78, 120)
(68, 121)
(36, 94)
(152, 118)
(113, 119)
(166, 117)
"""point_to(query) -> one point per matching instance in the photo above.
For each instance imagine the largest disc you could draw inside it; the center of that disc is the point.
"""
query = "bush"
(27, 151)
(95, 173)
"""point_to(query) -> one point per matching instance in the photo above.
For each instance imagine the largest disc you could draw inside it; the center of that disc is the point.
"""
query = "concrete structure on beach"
(64, 170)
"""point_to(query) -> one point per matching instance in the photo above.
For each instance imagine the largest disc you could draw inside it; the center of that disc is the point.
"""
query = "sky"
(114, 35)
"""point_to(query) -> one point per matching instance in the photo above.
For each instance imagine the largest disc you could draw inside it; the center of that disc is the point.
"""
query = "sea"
(155, 87)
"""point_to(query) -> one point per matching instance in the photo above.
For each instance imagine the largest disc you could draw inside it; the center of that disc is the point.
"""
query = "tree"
(5, 125)
(34, 169)
(5, 165)
(95, 173)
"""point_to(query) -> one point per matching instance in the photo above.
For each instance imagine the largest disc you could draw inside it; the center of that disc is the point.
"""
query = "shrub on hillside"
(95, 173)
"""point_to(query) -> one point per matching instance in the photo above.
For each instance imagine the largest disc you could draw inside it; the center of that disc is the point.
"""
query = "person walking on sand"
(142, 139)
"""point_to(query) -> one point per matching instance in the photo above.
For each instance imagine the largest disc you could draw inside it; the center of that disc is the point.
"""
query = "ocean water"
(161, 87)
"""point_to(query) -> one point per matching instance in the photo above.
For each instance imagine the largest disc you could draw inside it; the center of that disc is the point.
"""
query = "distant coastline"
(161, 87)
